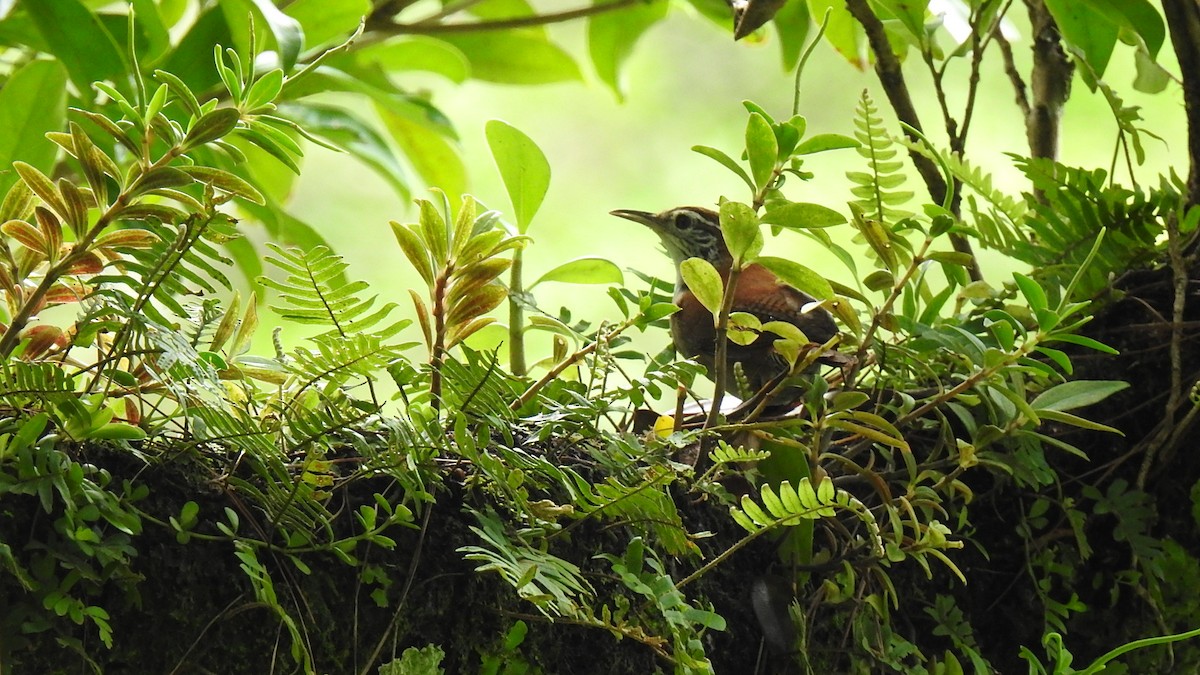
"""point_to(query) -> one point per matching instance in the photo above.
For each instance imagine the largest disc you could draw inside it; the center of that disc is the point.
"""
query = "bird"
(695, 232)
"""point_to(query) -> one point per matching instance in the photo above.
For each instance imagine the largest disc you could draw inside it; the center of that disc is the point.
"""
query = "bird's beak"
(643, 217)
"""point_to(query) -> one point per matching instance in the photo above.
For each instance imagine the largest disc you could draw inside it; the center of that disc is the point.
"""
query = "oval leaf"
(802, 216)
(762, 149)
(523, 167)
(584, 271)
(739, 225)
(798, 276)
(704, 281)
(1076, 394)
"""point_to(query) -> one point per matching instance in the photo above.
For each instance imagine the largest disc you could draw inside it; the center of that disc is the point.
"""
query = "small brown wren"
(695, 232)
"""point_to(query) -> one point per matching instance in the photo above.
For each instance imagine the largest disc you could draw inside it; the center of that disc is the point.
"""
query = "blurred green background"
(683, 86)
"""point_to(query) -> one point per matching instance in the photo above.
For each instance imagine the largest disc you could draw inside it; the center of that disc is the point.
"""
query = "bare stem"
(516, 318)
(720, 351)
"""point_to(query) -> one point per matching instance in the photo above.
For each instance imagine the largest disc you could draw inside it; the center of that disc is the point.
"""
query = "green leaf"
(289, 36)
(523, 167)
(211, 126)
(761, 149)
(1082, 341)
(612, 35)
(743, 328)
(792, 24)
(1077, 421)
(704, 281)
(823, 142)
(1087, 29)
(350, 133)
(1076, 394)
(515, 57)
(324, 21)
(417, 53)
(226, 181)
(802, 216)
(843, 31)
(798, 276)
(725, 161)
(32, 103)
(739, 226)
(1034, 295)
(114, 431)
(434, 156)
(584, 271)
(1151, 77)
(80, 41)
(1137, 16)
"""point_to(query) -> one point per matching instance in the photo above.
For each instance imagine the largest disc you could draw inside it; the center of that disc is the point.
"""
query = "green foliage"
(868, 500)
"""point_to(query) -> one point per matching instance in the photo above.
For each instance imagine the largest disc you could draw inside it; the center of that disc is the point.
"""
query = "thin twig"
(422, 28)
(567, 363)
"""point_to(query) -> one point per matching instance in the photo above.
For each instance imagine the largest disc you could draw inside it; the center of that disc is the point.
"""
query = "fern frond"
(728, 454)
(177, 263)
(878, 189)
(792, 505)
(479, 387)
(313, 293)
(555, 586)
(336, 360)
(1000, 222)
(646, 505)
(1075, 205)
(24, 384)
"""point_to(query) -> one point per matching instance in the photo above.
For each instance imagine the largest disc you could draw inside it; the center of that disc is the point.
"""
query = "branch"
(1183, 20)
(1050, 82)
(1010, 69)
(387, 28)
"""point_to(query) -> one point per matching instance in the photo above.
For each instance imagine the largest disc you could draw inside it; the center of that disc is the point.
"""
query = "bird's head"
(686, 232)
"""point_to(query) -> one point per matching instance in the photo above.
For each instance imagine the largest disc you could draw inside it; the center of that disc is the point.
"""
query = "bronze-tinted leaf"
(223, 180)
(415, 250)
(17, 203)
(127, 238)
(229, 321)
(478, 303)
(460, 333)
(51, 230)
(245, 333)
(111, 128)
(63, 140)
(90, 263)
(211, 126)
(41, 338)
(93, 168)
(41, 186)
(66, 291)
(26, 235)
(422, 317)
(160, 212)
(483, 272)
(76, 204)
(162, 177)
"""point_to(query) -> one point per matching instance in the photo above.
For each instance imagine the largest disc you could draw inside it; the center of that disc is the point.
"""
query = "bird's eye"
(683, 220)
